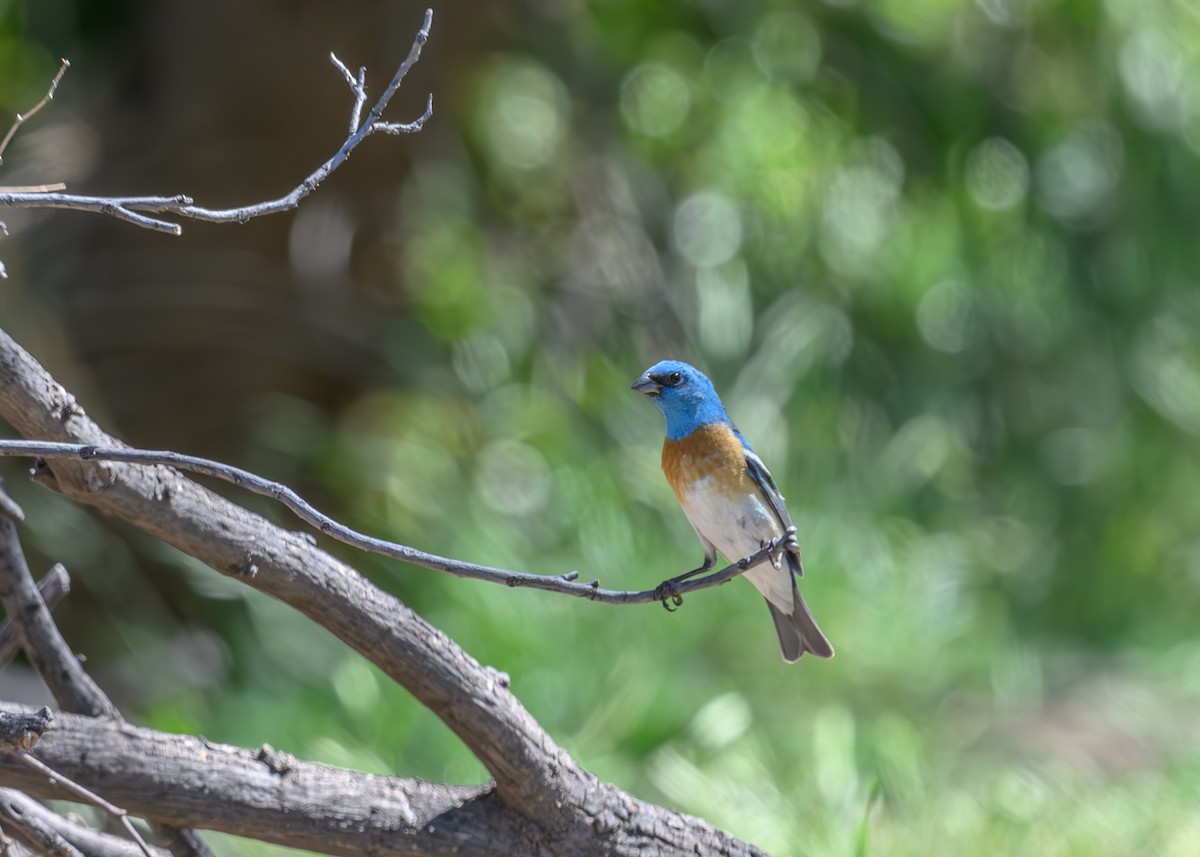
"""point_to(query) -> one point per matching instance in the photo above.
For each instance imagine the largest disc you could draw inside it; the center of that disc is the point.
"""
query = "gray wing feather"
(766, 484)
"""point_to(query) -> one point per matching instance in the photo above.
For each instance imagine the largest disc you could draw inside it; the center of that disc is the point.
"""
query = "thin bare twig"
(358, 86)
(39, 636)
(33, 188)
(138, 209)
(565, 584)
(30, 624)
(8, 845)
(53, 588)
(85, 795)
(33, 829)
(91, 843)
(22, 118)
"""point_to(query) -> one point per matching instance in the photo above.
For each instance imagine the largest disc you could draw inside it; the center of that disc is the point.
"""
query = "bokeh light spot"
(1152, 71)
(943, 316)
(708, 229)
(860, 207)
(997, 174)
(726, 311)
(1166, 368)
(787, 46)
(513, 478)
(722, 720)
(1076, 179)
(655, 99)
(524, 114)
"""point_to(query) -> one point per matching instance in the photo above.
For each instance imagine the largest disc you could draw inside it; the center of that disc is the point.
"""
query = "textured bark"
(542, 802)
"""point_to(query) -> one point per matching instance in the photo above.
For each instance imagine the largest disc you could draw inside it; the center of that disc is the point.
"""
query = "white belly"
(736, 525)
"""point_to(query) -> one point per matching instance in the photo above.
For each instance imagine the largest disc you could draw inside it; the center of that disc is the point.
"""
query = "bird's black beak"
(647, 385)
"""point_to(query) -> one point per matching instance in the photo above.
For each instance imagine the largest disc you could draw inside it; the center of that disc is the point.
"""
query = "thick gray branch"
(270, 796)
(557, 807)
(472, 700)
(262, 794)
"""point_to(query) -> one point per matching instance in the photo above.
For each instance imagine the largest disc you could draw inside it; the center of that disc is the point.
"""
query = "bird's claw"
(774, 551)
(776, 547)
(667, 592)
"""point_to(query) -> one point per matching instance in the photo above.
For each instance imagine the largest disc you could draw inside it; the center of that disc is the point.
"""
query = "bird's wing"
(766, 484)
(758, 472)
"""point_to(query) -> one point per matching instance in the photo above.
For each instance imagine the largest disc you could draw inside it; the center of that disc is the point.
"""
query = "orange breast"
(711, 452)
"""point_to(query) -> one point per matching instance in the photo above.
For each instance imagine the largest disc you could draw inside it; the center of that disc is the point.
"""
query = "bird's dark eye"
(674, 378)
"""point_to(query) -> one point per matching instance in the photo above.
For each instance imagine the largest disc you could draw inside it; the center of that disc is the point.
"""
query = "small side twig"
(22, 118)
(358, 86)
(39, 636)
(33, 188)
(32, 827)
(91, 842)
(85, 795)
(565, 584)
(53, 587)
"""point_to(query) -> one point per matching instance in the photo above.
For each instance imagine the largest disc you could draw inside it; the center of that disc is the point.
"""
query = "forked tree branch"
(138, 209)
(53, 587)
(558, 806)
(32, 626)
(39, 636)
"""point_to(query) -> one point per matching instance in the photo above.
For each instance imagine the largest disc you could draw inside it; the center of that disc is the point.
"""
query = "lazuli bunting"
(729, 498)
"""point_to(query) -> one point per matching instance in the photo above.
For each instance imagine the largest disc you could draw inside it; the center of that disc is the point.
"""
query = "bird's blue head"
(684, 395)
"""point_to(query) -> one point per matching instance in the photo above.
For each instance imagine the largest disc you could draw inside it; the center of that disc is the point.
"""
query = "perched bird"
(729, 498)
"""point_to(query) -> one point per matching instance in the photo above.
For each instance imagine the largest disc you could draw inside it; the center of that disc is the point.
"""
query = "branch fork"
(141, 210)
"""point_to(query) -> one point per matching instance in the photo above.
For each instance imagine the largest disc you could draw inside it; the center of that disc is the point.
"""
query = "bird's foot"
(777, 546)
(774, 548)
(668, 593)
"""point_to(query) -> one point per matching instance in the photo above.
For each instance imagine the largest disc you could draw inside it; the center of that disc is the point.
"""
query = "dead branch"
(22, 118)
(53, 588)
(80, 793)
(39, 636)
(197, 783)
(558, 806)
(17, 809)
(138, 209)
(33, 627)
(562, 583)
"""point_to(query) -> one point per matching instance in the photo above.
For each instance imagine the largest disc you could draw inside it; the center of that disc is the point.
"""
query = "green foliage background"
(940, 259)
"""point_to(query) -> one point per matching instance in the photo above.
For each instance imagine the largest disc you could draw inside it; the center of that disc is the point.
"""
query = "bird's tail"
(799, 633)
